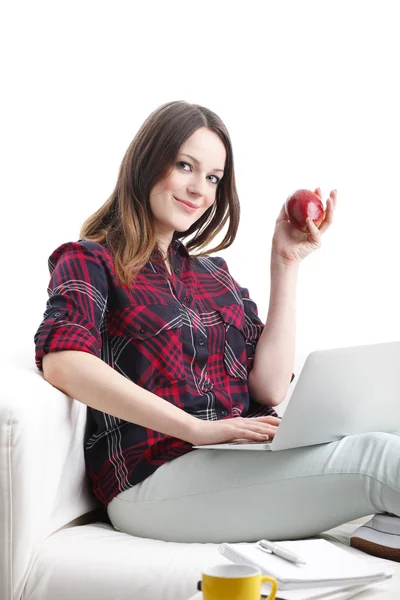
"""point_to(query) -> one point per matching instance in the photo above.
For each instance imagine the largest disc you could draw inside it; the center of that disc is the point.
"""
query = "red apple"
(301, 205)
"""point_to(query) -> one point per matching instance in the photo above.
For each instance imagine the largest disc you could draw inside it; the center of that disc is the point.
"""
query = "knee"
(378, 438)
(375, 449)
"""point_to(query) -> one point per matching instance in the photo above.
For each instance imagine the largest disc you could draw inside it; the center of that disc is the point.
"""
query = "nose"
(197, 186)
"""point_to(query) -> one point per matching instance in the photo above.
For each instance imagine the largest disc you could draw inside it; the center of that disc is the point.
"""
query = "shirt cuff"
(56, 333)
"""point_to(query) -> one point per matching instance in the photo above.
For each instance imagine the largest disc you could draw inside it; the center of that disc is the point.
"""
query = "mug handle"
(274, 586)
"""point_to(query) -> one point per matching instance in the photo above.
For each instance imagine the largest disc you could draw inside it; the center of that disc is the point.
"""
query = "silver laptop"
(339, 392)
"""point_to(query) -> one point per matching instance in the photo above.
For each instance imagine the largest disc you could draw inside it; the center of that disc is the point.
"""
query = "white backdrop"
(308, 90)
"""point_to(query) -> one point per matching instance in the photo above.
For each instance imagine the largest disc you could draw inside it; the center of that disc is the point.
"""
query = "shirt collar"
(175, 246)
(179, 247)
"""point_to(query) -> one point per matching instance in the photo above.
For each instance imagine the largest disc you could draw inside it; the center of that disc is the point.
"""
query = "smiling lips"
(187, 205)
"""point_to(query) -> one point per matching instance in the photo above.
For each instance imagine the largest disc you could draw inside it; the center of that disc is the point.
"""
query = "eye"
(181, 162)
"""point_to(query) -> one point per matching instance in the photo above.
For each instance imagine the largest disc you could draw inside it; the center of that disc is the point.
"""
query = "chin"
(182, 225)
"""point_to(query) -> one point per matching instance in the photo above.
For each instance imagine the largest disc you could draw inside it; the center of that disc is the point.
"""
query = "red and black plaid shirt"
(189, 337)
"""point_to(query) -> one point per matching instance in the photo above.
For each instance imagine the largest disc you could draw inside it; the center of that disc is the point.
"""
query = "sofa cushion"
(95, 562)
(42, 472)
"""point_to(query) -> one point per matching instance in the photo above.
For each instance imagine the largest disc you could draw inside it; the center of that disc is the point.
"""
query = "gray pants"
(233, 496)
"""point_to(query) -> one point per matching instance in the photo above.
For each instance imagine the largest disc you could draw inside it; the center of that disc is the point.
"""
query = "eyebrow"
(197, 162)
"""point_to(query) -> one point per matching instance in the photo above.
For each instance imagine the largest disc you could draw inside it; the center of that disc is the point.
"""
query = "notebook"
(327, 565)
(323, 593)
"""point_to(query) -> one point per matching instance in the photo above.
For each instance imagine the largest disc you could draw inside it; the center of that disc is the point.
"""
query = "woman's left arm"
(274, 356)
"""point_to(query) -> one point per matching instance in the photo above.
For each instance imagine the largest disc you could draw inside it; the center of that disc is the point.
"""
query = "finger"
(318, 192)
(272, 421)
(270, 431)
(282, 215)
(256, 432)
(314, 231)
(258, 424)
(333, 195)
(251, 435)
(268, 419)
(328, 219)
(259, 428)
(330, 209)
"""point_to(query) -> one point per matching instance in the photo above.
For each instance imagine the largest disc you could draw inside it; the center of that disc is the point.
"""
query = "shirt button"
(224, 413)
(144, 329)
(201, 342)
(186, 299)
(57, 314)
(176, 271)
(207, 385)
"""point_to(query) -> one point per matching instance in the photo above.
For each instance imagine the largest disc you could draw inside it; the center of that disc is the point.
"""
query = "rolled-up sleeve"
(75, 310)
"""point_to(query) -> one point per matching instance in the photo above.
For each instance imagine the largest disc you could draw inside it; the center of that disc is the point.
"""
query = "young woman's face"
(193, 180)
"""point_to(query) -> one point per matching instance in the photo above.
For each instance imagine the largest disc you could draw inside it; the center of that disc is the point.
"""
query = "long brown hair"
(124, 223)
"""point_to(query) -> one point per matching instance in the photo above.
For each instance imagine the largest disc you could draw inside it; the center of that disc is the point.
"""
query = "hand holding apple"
(301, 205)
(300, 224)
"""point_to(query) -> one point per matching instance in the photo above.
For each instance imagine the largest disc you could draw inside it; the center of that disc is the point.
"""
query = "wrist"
(281, 264)
(191, 431)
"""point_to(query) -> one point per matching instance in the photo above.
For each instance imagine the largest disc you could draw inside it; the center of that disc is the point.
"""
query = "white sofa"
(53, 543)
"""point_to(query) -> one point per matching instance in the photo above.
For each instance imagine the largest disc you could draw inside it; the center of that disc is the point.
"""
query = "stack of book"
(328, 572)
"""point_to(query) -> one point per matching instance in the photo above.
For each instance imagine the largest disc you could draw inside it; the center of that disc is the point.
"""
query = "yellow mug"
(235, 582)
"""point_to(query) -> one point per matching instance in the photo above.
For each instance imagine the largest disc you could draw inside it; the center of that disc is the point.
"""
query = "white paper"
(326, 565)
(323, 593)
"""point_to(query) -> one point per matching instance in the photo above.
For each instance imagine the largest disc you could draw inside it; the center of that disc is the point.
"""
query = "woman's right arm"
(68, 344)
(90, 380)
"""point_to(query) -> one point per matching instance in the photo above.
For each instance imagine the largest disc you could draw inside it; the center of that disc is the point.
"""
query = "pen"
(266, 546)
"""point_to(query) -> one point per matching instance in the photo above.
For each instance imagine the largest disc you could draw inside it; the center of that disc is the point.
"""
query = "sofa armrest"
(43, 485)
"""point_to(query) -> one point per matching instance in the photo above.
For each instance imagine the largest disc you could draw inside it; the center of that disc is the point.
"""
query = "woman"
(168, 351)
